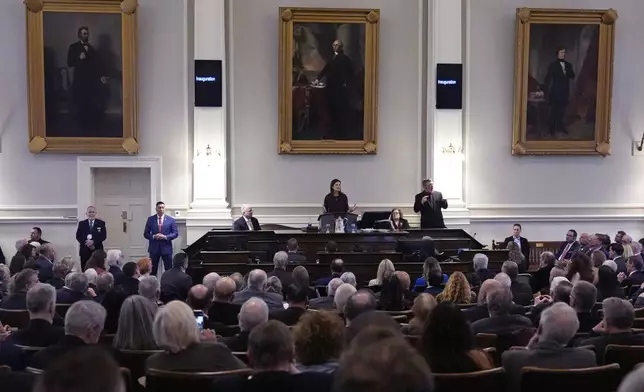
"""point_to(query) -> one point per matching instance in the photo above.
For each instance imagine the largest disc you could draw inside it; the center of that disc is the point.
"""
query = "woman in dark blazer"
(336, 201)
(397, 221)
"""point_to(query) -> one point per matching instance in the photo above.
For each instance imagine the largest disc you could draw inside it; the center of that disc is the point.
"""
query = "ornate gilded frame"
(289, 16)
(601, 143)
(38, 140)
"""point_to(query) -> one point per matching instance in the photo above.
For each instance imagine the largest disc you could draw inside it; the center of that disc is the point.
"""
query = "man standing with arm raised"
(160, 230)
(429, 203)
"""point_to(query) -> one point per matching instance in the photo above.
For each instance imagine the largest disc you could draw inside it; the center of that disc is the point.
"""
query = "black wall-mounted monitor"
(208, 83)
(449, 86)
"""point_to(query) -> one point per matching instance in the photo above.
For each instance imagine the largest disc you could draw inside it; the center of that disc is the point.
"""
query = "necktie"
(565, 251)
(91, 225)
(249, 223)
(160, 225)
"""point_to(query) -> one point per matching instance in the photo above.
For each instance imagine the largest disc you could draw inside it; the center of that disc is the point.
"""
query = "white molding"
(37, 220)
(556, 218)
(475, 207)
(38, 207)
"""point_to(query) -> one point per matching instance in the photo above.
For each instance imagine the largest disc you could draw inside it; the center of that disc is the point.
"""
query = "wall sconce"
(209, 158)
(452, 151)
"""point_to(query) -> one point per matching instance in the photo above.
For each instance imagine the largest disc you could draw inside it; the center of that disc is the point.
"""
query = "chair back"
(171, 381)
(524, 278)
(61, 309)
(483, 381)
(225, 330)
(599, 379)
(242, 356)
(503, 342)
(465, 306)
(134, 360)
(626, 356)
(14, 318)
(638, 323)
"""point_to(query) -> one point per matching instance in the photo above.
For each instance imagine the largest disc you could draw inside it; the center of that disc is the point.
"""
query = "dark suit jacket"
(206, 357)
(17, 301)
(324, 281)
(224, 313)
(603, 293)
(540, 279)
(98, 232)
(44, 358)
(479, 312)
(431, 215)
(39, 333)
(285, 277)
(237, 343)
(557, 83)
(169, 229)
(45, 269)
(600, 342)
(294, 257)
(241, 225)
(477, 278)
(274, 301)
(501, 324)
(12, 356)
(576, 247)
(58, 283)
(289, 316)
(403, 225)
(521, 293)
(117, 274)
(129, 286)
(67, 296)
(277, 382)
(112, 302)
(545, 355)
(587, 321)
(634, 279)
(3, 260)
(322, 303)
(175, 284)
(621, 264)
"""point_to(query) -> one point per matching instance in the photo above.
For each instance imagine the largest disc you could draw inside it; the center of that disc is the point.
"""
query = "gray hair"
(637, 248)
(5, 274)
(245, 207)
(618, 313)
(105, 282)
(488, 286)
(559, 323)
(20, 244)
(480, 261)
(511, 269)
(610, 264)
(504, 279)
(149, 288)
(301, 276)
(210, 280)
(273, 285)
(61, 268)
(280, 260)
(41, 298)
(257, 279)
(85, 317)
(113, 257)
(349, 277)
(634, 381)
(548, 258)
(252, 313)
(555, 282)
(134, 330)
(91, 275)
(333, 285)
(583, 296)
(174, 327)
(499, 301)
(78, 282)
(342, 295)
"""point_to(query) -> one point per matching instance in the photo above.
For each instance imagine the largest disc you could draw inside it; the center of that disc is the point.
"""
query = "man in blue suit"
(160, 230)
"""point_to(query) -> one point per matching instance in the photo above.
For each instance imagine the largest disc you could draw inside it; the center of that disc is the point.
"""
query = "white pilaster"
(209, 207)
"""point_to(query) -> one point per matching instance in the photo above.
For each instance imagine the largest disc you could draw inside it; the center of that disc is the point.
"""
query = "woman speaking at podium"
(336, 202)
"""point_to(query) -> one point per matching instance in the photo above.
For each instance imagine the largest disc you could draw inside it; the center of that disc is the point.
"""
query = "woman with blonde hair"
(457, 290)
(385, 270)
(422, 308)
(515, 255)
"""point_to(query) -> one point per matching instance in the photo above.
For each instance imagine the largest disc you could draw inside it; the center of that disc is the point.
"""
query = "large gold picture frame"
(328, 80)
(79, 111)
(563, 81)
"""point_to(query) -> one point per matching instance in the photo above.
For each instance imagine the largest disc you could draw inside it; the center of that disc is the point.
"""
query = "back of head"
(480, 261)
(388, 365)
(391, 295)
(85, 319)
(21, 282)
(349, 277)
(333, 285)
(253, 312)
(130, 269)
(337, 266)
(385, 270)
(610, 264)
(487, 286)
(78, 282)
(257, 279)
(404, 279)
(511, 269)
(113, 257)
(499, 302)
(504, 279)
(562, 291)
(174, 327)
(280, 260)
(99, 259)
(105, 282)
(210, 280)
(372, 319)
(319, 338)
(60, 269)
(91, 276)
(291, 245)
(41, 299)
(360, 302)
(447, 333)
(17, 264)
(297, 295)
(86, 369)
(637, 262)
(342, 295)
(198, 297)
(634, 381)
(270, 346)
(135, 324)
(273, 285)
(548, 259)
(558, 324)
(584, 295)
(301, 276)
(225, 289)
(606, 275)
(331, 247)
(618, 313)
(180, 260)
(149, 288)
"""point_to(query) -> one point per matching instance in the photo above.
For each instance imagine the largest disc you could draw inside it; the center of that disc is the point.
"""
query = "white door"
(122, 199)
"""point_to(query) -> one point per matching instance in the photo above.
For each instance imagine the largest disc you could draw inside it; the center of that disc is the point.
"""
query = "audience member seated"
(319, 339)
(145, 267)
(60, 269)
(293, 256)
(480, 311)
(617, 255)
(17, 264)
(385, 270)
(515, 255)
(75, 291)
(433, 279)
(41, 304)
(481, 273)
(114, 259)
(521, 292)
(337, 266)
(104, 284)
(210, 281)
(349, 277)
(541, 278)
(256, 282)
(560, 290)
(634, 381)
(300, 278)
(405, 283)
(615, 328)
(280, 260)
(253, 312)
(130, 283)
(597, 258)
(457, 290)
(447, 342)
(296, 298)
(83, 325)
(185, 349)
(580, 268)
(326, 303)
(383, 325)
(271, 354)
(5, 275)
(150, 289)
(91, 276)
(97, 261)
(135, 325)
(29, 252)
(18, 287)
(634, 275)
(607, 285)
(222, 310)
(199, 299)
(547, 349)
(422, 308)
(391, 295)
(582, 299)
(273, 285)
(342, 295)
(45, 262)
(360, 302)
(175, 283)
(499, 303)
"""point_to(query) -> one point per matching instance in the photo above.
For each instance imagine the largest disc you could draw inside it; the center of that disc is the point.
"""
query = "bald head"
(257, 279)
(198, 298)
(210, 280)
(360, 302)
(252, 313)
(225, 289)
(404, 279)
(488, 286)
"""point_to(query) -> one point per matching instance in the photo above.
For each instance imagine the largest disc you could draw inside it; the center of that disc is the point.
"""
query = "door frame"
(85, 176)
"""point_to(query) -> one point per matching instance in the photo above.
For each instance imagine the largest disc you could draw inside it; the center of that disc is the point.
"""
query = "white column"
(209, 207)
(445, 45)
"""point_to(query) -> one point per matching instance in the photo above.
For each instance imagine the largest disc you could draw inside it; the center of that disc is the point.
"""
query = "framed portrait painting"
(563, 81)
(82, 76)
(328, 81)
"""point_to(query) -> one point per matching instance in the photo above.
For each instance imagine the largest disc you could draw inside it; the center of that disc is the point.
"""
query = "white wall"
(266, 179)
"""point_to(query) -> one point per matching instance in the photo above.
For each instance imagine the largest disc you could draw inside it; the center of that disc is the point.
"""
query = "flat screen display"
(208, 83)
(449, 86)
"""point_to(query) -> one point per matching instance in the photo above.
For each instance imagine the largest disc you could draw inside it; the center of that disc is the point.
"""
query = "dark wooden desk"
(359, 257)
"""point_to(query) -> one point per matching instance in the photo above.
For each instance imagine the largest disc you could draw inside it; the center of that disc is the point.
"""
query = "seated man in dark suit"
(22, 282)
(480, 311)
(45, 262)
(547, 349)
(253, 313)
(293, 256)
(481, 273)
(634, 272)
(615, 328)
(499, 303)
(75, 291)
(523, 243)
(337, 266)
(83, 325)
(256, 282)
(246, 222)
(362, 301)
(617, 255)
(222, 310)
(41, 304)
(296, 298)
(130, 283)
(326, 303)
(280, 260)
(175, 283)
(569, 248)
(521, 292)
(582, 299)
